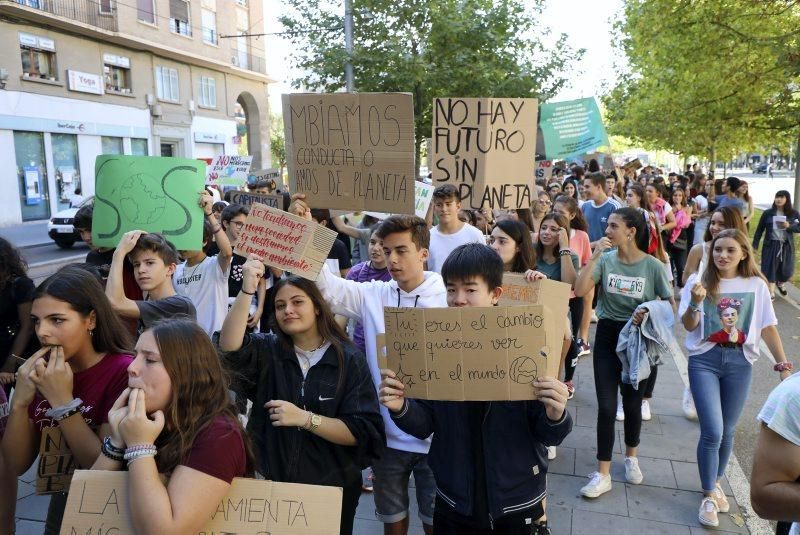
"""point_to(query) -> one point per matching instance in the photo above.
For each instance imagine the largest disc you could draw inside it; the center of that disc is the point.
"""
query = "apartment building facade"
(79, 78)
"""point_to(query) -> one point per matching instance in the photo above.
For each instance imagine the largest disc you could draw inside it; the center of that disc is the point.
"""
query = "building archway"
(254, 128)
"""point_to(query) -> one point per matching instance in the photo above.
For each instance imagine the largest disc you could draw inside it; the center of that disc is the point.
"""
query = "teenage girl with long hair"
(73, 381)
(726, 311)
(315, 416)
(627, 277)
(178, 407)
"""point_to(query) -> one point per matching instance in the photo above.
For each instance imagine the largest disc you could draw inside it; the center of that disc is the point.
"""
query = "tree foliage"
(430, 48)
(707, 76)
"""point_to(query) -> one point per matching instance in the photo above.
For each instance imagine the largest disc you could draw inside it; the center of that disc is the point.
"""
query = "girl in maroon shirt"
(176, 404)
(72, 382)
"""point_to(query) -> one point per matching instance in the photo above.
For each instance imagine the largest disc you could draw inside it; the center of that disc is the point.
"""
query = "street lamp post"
(348, 44)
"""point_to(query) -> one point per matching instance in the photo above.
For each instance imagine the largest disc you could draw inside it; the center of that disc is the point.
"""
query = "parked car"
(760, 168)
(60, 227)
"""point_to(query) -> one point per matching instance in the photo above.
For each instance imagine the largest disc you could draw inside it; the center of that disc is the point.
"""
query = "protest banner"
(285, 241)
(571, 128)
(245, 198)
(228, 170)
(151, 194)
(56, 463)
(633, 165)
(98, 503)
(486, 147)
(472, 354)
(553, 294)
(605, 161)
(351, 151)
(544, 170)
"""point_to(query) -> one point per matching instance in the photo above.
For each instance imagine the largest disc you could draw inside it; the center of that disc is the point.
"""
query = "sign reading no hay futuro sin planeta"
(486, 147)
(351, 151)
(149, 193)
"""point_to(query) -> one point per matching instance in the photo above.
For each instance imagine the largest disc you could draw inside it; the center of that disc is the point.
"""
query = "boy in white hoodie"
(405, 242)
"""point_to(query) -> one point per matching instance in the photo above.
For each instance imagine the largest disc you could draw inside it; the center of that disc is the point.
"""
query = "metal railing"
(243, 60)
(92, 12)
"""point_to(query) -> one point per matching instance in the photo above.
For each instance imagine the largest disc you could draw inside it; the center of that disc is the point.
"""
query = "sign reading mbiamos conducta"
(351, 151)
(285, 241)
(486, 147)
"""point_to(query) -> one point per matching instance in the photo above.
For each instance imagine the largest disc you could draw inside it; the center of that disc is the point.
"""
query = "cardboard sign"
(285, 241)
(633, 165)
(246, 198)
(98, 503)
(423, 195)
(571, 128)
(486, 147)
(264, 174)
(351, 151)
(472, 354)
(151, 194)
(544, 169)
(56, 463)
(228, 170)
(553, 294)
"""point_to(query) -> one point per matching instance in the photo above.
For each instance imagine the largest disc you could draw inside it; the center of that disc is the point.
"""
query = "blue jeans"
(720, 382)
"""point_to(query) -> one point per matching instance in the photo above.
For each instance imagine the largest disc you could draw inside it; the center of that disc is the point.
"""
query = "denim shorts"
(392, 472)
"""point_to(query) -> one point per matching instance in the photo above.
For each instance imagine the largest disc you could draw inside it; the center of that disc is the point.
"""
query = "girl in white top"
(726, 312)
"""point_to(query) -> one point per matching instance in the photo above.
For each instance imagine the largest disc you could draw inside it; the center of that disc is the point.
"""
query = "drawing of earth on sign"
(137, 188)
(523, 370)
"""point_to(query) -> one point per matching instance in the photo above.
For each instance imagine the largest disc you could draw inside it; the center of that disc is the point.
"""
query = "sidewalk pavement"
(26, 235)
(666, 502)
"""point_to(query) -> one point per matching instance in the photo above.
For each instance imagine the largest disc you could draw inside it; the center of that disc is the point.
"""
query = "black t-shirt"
(340, 254)
(96, 258)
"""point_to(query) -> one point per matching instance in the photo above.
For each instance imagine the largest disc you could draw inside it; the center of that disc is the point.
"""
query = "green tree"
(429, 48)
(277, 143)
(707, 77)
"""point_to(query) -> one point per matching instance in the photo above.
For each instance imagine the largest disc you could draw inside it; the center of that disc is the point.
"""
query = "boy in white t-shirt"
(451, 231)
(204, 279)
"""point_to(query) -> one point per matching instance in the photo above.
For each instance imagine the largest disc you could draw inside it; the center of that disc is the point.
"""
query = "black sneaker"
(541, 529)
(583, 347)
(782, 289)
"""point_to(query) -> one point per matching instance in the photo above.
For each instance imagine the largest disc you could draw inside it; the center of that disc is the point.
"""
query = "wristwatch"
(316, 420)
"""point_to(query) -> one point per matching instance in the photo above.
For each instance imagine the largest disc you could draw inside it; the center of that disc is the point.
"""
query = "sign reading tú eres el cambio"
(351, 151)
(486, 147)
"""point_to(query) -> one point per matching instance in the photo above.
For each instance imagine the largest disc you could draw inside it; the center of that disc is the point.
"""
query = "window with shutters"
(209, 27)
(167, 84)
(208, 92)
(146, 11)
(179, 21)
(106, 7)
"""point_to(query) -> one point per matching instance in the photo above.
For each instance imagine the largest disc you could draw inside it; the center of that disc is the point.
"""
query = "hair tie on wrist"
(785, 366)
(246, 292)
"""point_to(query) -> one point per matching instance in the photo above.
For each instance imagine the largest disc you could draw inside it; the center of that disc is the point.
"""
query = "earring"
(91, 332)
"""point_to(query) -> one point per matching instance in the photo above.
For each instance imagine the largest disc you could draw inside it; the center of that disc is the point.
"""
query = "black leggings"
(575, 313)
(678, 259)
(650, 383)
(607, 382)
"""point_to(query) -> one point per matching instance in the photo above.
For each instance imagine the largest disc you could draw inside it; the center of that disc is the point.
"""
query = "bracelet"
(64, 411)
(139, 447)
(111, 451)
(215, 230)
(565, 252)
(784, 366)
(141, 450)
(130, 462)
(246, 292)
(306, 426)
(695, 308)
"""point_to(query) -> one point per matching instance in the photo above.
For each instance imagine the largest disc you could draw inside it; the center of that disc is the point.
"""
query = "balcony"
(249, 62)
(98, 13)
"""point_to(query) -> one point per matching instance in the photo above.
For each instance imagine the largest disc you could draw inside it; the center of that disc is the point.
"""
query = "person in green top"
(627, 278)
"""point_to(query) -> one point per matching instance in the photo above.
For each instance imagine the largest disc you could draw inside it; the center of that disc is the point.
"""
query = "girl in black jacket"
(777, 258)
(315, 416)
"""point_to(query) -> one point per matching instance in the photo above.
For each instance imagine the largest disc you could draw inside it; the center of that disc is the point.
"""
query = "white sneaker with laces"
(620, 411)
(646, 415)
(551, 453)
(597, 486)
(708, 512)
(633, 474)
(688, 405)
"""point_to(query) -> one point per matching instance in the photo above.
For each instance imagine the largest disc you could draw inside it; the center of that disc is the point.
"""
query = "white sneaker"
(646, 416)
(597, 486)
(551, 453)
(620, 411)
(594, 318)
(708, 512)
(633, 474)
(688, 405)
